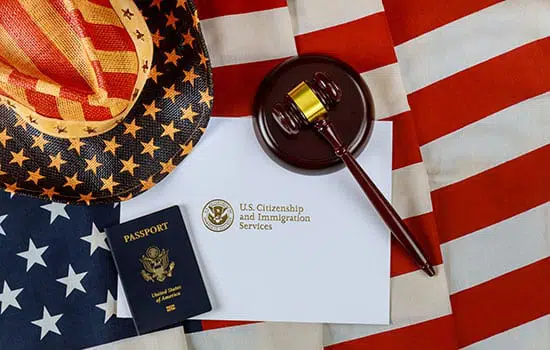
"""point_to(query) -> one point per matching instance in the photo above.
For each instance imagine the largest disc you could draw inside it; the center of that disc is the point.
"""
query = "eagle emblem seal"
(156, 265)
(217, 215)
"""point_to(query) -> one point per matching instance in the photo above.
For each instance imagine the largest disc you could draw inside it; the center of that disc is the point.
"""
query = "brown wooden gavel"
(308, 104)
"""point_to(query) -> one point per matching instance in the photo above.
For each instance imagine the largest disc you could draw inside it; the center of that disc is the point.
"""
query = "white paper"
(334, 268)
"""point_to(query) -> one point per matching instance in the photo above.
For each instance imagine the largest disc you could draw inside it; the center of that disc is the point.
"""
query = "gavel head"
(306, 103)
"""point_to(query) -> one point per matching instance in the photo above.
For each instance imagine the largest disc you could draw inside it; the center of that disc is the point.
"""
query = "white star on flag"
(56, 209)
(73, 281)
(33, 255)
(109, 306)
(2, 218)
(8, 297)
(47, 323)
(96, 239)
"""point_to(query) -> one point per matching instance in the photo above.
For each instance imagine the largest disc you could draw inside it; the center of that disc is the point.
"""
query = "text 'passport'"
(158, 269)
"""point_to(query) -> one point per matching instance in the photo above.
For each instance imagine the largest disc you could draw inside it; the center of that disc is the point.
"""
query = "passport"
(158, 269)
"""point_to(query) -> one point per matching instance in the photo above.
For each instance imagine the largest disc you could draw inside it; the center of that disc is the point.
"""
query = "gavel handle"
(388, 214)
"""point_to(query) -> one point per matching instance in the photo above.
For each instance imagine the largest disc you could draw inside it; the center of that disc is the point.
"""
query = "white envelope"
(330, 264)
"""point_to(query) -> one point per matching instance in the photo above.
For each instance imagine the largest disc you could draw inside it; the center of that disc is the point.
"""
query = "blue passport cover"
(158, 269)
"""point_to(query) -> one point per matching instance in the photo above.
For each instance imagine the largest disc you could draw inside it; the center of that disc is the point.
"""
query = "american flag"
(58, 282)
(57, 277)
(467, 85)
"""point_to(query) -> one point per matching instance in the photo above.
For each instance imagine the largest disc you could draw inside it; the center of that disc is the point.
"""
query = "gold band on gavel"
(307, 102)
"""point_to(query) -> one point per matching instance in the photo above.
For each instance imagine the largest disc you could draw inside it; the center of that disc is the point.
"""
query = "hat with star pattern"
(99, 99)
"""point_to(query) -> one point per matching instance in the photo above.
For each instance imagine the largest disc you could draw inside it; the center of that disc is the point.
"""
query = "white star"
(56, 209)
(2, 218)
(33, 255)
(8, 297)
(109, 306)
(73, 281)
(96, 239)
(47, 323)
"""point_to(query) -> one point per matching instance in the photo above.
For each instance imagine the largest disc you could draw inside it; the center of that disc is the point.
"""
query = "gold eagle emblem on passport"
(156, 265)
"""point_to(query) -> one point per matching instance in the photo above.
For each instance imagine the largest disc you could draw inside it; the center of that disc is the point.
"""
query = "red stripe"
(492, 196)
(100, 76)
(236, 85)
(43, 104)
(96, 113)
(104, 37)
(209, 9)
(410, 18)
(436, 334)
(117, 85)
(502, 303)
(72, 94)
(208, 324)
(106, 3)
(73, 18)
(424, 230)
(405, 141)
(481, 90)
(21, 80)
(46, 57)
(365, 44)
(120, 85)
(79, 96)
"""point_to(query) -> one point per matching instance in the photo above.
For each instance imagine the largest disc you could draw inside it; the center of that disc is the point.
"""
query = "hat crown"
(68, 60)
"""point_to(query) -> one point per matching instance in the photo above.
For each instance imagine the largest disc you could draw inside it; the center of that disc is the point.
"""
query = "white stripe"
(410, 191)
(260, 336)
(387, 91)
(534, 335)
(488, 142)
(498, 249)
(472, 40)
(170, 339)
(312, 15)
(249, 37)
(415, 298)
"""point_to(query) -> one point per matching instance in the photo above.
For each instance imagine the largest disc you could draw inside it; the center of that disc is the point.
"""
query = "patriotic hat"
(99, 99)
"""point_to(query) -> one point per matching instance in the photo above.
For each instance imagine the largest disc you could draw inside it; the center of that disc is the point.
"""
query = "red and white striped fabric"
(467, 85)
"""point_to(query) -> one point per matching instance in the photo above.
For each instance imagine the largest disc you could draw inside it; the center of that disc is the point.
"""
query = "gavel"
(308, 105)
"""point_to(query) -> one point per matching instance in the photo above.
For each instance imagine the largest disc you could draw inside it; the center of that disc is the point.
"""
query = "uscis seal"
(217, 215)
